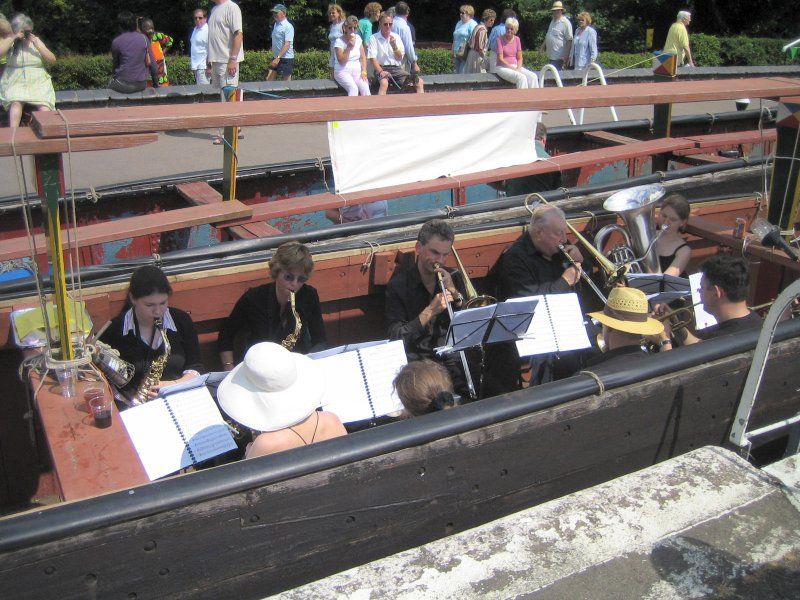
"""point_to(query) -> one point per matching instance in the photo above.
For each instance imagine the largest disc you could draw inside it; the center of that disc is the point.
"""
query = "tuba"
(636, 206)
(290, 340)
(156, 369)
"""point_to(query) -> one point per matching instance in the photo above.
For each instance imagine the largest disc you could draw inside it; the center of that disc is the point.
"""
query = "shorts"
(399, 75)
(285, 67)
(220, 77)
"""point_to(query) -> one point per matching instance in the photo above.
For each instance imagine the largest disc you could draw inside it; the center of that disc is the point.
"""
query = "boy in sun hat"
(277, 393)
(626, 322)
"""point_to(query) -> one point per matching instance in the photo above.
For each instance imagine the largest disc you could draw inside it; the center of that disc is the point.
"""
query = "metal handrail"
(602, 78)
(548, 68)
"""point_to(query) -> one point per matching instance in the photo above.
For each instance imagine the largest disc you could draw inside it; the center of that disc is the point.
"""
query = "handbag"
(463, 50)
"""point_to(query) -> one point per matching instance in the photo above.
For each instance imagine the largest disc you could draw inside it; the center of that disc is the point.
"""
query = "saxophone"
(290, 340)
(156, 369)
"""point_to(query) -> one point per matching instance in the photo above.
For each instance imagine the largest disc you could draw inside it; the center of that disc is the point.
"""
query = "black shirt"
(731, 326)
(406, 297)
(258, 316)
(525, 271)
(618, 357)
(184, 353)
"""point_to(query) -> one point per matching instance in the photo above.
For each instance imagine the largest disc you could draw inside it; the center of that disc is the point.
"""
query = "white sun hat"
(272, 388)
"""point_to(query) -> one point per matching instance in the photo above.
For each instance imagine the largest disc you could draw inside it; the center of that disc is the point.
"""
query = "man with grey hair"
(558, 40)
(678, 39)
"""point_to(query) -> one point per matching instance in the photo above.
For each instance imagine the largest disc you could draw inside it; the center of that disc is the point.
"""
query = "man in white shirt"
(199, 47)
(386, 52)
(400, 27)
(225, 47)
(558, 41)
(282, 63)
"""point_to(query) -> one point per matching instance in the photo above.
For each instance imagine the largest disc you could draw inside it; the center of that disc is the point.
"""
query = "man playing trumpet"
(416, 305)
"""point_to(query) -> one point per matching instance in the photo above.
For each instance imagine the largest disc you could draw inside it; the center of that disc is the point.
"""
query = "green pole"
(784, 193)
(50, 183)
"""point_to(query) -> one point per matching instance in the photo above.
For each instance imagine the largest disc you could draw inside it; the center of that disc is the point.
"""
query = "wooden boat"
(261, 526)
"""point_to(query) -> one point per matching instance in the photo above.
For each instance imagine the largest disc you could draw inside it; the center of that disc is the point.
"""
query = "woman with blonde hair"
(424, 386)
(461, 36)
(509, 58)
(350, 70)
(336, 18)
(264, 313)
(584, 43)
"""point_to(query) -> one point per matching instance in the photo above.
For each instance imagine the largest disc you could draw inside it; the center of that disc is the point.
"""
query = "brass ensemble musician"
(416, 308)
(139, 341)
(531, 266)
(264, 313)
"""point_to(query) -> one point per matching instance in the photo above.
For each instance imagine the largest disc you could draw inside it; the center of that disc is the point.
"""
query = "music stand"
(494, 324)
(659, 287)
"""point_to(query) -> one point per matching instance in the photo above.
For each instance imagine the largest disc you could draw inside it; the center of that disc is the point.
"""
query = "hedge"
(86, 72)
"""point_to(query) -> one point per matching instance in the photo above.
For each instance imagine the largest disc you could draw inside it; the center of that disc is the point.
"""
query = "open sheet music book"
(557, 325)
(360, 381)
(702, 319)
(172, 433)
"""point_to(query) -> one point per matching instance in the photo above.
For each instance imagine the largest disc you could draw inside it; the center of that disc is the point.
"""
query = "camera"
(26, 34)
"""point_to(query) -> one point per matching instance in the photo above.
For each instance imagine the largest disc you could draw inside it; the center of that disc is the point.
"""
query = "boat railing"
(548, 68)
(739, 435)
(593, 66)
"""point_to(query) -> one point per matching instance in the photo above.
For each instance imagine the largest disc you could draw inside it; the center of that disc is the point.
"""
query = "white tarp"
(378, 153)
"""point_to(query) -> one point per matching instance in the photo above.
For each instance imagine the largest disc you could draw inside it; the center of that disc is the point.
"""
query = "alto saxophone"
(290, 340)
(156, 369)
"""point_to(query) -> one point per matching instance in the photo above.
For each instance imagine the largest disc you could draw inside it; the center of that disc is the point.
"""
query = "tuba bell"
(636, 206)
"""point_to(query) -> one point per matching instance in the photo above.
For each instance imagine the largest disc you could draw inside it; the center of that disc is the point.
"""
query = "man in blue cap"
(282, 46)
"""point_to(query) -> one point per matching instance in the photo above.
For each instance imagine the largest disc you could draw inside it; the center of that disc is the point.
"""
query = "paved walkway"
(180, 152)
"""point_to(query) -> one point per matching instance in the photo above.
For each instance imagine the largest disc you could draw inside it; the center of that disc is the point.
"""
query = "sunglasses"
(290, 277)
(199, 18)
(389, 24)
(463, 12)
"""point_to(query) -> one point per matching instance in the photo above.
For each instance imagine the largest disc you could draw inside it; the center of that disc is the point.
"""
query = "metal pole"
(230, 145)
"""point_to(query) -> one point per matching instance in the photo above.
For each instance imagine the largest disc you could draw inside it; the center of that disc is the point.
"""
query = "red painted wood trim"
(27, 142)
(95, 121)
(608, 139)
(735, 138)
(87, 461)
(170, 220)
(198, 193)
(254, 230)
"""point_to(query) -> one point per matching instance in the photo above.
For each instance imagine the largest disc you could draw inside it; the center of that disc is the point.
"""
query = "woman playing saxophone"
(266, 313)
(138, 333)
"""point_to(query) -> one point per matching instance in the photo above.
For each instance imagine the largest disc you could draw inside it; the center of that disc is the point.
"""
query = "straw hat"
(627, 310)
(557, 5)
(272, 388)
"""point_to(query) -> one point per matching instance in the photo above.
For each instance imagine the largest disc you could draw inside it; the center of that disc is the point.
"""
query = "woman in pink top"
(509, 59)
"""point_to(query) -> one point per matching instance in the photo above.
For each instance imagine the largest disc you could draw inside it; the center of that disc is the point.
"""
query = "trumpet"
(464, 365)
(678, 323)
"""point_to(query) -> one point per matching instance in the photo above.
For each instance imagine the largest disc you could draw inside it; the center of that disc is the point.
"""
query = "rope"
(597, 380)
(318, 163)
(373, 248)
(260, 93)
(649, 59)
(157, 260)
(713, 120)
(92, 195)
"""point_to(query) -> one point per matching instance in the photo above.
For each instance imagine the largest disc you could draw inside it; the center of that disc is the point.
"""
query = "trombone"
(473, 300)
(584, 275)
(464, 365)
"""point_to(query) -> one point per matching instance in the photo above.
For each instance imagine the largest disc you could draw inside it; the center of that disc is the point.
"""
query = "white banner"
(378, 153)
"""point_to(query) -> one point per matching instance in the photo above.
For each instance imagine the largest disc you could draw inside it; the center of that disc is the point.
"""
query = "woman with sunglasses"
(263, 313)
(462, 35)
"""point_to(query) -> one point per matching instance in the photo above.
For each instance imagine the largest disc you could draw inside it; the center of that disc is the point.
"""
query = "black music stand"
(494, 324)
(659, 287)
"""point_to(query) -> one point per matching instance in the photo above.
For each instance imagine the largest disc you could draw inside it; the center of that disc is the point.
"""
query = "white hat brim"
(271, 411)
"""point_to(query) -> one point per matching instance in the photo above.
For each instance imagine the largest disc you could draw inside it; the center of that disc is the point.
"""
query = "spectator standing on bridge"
(160, 43)
(225, 48)
(584, 47)
(5, 33)
(509, 59)
(558, 41)
(369, 24)
(282, 46)
(198, 44)
(350, 70)
(336, 19)
(678, 39)
(497, 31)
(461, 36)
(401, 27)
(25, 80)
(131, 57)
(478, 57)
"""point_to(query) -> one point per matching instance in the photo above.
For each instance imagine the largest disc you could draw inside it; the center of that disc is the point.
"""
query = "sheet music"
(557, 325)
(154, 431)
(701, 317)
(202, 424)
(345, 348)
(347, 395)
(381, 365)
